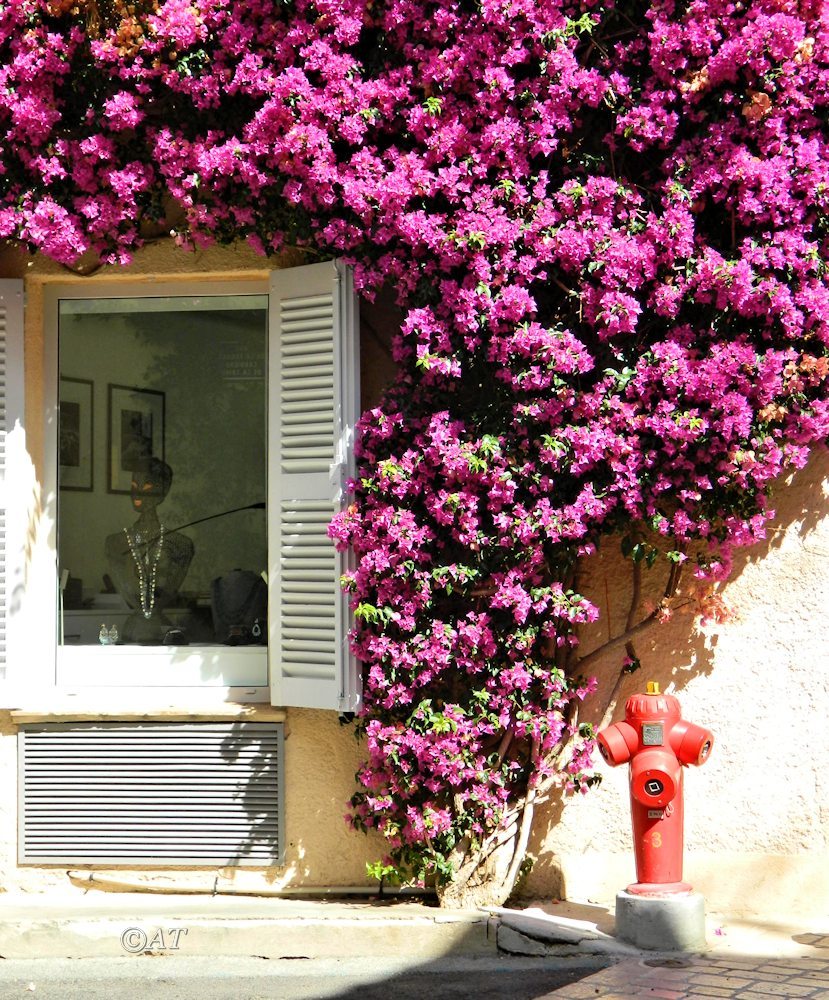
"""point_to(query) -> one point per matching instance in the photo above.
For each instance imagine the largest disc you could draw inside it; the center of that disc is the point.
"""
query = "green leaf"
(489, 444)
(379, 870)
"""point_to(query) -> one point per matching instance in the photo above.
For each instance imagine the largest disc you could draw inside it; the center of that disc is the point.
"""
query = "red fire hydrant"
(657, 742)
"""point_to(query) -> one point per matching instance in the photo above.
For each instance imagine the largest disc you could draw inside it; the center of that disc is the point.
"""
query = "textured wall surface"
(756, 812)
(321, 757)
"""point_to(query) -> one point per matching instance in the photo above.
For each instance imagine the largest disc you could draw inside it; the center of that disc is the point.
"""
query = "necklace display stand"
(148, 563)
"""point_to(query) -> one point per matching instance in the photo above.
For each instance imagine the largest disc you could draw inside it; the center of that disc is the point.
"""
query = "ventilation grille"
(307, 383)
(151, 794)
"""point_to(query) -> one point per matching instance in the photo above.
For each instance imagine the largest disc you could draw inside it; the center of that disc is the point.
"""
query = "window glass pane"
(162, 470)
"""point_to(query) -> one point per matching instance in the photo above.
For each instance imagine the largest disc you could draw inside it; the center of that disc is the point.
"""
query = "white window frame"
(17, 485)
(40, 663)
(176, 669)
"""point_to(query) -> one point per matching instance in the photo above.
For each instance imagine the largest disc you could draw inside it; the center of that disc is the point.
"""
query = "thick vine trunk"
(481, 882)
(487, 876)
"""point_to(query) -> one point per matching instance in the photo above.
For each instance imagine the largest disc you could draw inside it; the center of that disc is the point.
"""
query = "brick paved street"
(740, 978)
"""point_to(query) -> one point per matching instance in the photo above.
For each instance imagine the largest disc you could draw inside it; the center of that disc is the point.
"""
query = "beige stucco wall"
(757, 811)
(321, 756)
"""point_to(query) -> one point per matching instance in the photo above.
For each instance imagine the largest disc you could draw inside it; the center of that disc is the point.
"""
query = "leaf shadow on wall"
(766, 590)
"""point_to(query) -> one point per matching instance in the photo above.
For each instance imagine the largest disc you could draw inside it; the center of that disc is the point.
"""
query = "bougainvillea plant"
(607, 226)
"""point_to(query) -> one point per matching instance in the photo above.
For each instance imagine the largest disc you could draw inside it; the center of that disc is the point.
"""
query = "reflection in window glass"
(162, 470)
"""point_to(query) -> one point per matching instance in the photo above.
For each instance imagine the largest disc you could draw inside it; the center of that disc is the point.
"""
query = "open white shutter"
(313, 395)
(12, 488)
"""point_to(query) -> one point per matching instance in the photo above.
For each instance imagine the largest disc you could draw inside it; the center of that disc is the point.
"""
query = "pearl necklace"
(146, 574)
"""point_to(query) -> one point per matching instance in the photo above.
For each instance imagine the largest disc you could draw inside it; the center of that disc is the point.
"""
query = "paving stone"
(705, 978)
(737, 964)
(755, 995)
(709, 991)
(785, 969)
(669, 974)
(721, 981)
(662, 983)
(786, 990)
(634, 995)
(580, 991)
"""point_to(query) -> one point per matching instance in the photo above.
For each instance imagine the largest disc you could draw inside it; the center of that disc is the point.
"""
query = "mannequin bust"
(146, 562)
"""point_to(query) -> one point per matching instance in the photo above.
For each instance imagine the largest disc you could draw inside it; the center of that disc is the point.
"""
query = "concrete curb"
(125, 925)
(535, 932)
(104, 925)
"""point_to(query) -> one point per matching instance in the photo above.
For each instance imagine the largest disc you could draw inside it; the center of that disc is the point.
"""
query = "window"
(167, 543)
(162, 485)
(197, 442)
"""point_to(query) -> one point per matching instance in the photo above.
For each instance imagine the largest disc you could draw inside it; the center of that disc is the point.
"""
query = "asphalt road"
(185, 978)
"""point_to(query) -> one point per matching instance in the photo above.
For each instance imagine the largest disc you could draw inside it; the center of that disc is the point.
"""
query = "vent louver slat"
(151, 793)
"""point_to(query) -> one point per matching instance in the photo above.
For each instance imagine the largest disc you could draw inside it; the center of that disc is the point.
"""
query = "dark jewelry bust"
(146, 562)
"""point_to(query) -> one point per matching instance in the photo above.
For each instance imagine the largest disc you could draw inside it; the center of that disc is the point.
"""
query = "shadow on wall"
(321, 757)
(380, 320)
(244, 749)
(799, 502)
(679, 650)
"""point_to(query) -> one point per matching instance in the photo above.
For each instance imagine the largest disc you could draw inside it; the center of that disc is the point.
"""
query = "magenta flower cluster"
(607, 223)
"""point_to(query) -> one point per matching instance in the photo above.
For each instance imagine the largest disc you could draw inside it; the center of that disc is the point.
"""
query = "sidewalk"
(746, 960)
(590, 927)
(106, 925)
(712, 975)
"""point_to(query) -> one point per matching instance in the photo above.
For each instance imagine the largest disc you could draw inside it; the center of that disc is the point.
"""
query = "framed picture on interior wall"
(135, 431)
(75, 423)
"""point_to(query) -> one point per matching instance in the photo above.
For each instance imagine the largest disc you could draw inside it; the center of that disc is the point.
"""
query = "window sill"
(162, 666)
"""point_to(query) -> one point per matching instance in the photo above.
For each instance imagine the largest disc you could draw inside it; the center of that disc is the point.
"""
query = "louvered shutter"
(312, 410)
(12, 506)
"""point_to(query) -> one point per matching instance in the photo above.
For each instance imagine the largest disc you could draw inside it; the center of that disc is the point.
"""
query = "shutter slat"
(306, 361)
(307, 644)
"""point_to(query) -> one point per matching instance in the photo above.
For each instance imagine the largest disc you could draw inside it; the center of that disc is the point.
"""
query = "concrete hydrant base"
(661, 923)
